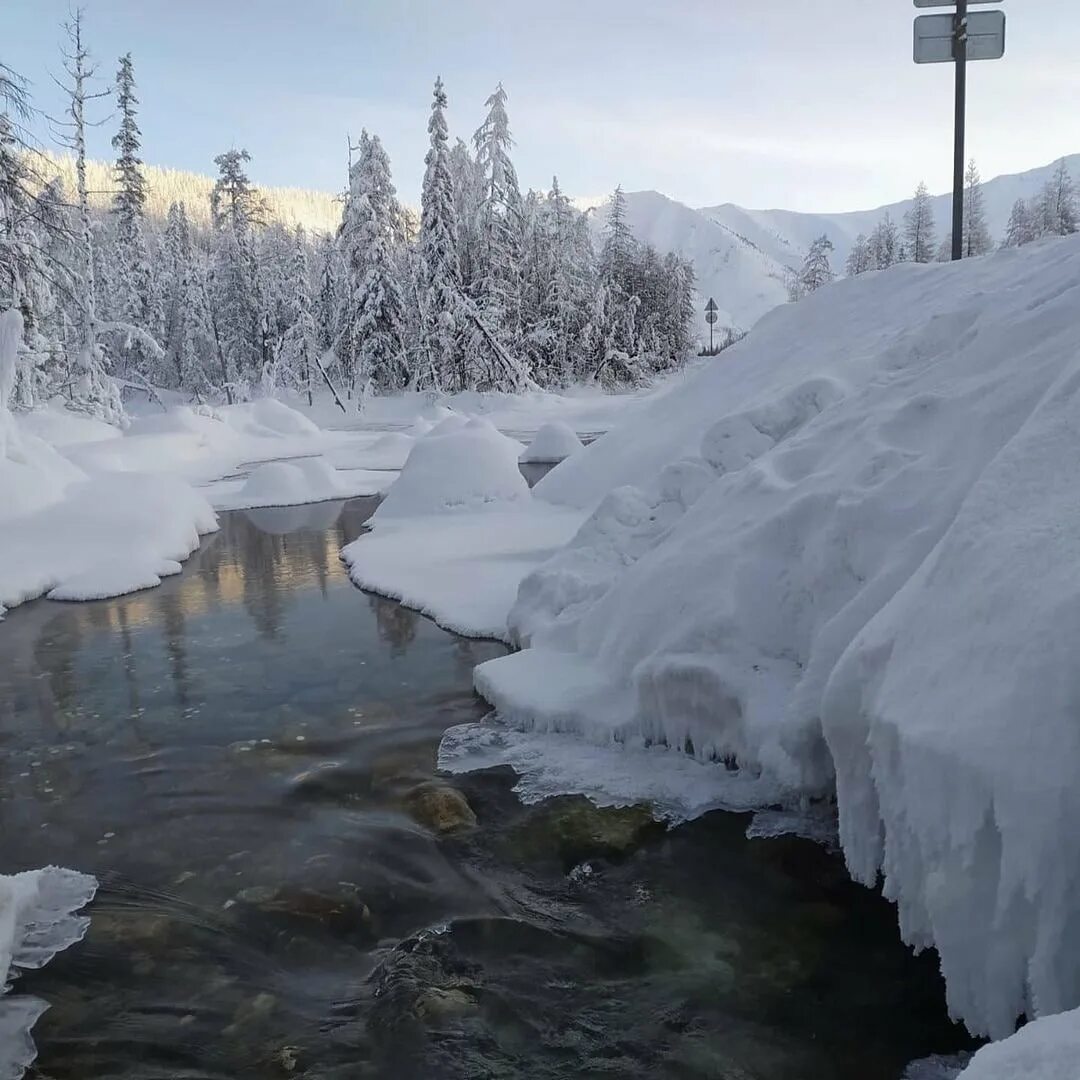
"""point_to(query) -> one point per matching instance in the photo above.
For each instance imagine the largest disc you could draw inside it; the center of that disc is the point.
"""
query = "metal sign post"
(960, 58)
(956, 39)
(710, 318)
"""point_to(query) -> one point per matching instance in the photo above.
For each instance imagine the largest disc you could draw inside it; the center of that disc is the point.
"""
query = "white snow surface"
(37, 920)
(848, 560)
(554, 442)
(459, 465)
(1046, 1049)
(295, 482)
(463, 569)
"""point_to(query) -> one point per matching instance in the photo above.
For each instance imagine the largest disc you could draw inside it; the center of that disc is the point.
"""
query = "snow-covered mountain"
(742, 256)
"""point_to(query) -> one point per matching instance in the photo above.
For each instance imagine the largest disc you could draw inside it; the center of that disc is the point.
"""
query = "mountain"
(742, 257)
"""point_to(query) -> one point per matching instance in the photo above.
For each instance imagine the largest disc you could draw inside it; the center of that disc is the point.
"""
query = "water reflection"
(237, 755)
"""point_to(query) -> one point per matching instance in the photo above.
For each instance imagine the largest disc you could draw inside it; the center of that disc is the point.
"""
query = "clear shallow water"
(237, 756)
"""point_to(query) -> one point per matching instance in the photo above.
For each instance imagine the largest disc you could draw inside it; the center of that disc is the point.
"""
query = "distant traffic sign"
(711, 317)
(935, 37)
(711, 305)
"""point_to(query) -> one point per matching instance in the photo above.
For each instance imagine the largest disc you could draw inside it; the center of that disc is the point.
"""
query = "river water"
(245, 757)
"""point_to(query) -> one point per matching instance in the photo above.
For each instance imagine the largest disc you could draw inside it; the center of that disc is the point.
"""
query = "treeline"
(489, 289)
(1052, 212)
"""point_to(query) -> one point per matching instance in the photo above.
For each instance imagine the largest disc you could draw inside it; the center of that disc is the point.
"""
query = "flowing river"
(245, 757)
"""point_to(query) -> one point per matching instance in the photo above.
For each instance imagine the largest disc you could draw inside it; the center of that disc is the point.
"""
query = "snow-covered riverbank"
(842, 559)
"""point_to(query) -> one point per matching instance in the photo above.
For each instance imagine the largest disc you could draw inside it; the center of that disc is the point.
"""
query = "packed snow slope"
(844, 556)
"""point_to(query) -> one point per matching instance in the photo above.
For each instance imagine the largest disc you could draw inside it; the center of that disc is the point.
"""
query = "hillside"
(743, 255)
(317, 211)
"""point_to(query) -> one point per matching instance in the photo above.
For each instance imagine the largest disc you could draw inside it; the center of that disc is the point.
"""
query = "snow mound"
(390, 451)
(290, 483)
(1047, 1049)
(848, 562)
(551, 444)
(37, 920)
(276, 417)
(470, 467)
(448, 425)
(419, 428)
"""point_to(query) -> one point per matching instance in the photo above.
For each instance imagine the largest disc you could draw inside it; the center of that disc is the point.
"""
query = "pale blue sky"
(804, 104)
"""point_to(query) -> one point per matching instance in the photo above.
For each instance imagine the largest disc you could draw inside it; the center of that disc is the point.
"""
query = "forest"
(487, 288)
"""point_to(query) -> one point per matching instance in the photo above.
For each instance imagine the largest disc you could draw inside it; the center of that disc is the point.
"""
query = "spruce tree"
(438, 273)
(132, 290)
(497, 289)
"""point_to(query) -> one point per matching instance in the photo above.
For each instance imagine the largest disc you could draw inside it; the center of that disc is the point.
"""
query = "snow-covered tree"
(1056, 209)
(438, 273)
(132, 289)
(240, 328)
(1022, 227)
(188, 335)
(884, 244)
(300, 347)
(497, 287)
(90, 388)
(976, 234)
(815, 271)
(919, 239)
(373, 318)
(859, 259)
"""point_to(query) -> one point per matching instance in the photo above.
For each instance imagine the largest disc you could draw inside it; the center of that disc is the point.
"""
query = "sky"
(801, 104)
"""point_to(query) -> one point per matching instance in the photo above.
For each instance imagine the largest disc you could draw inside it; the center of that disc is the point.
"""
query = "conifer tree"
(132, 290)
(497, 290)
(90, 387)
(438, 273)
(1022, 228)
(919, 227)
(859, 259)
(976, 234)
(815, 272)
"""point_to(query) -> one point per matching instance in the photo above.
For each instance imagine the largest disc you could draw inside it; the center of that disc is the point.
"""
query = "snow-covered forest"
(490, 288)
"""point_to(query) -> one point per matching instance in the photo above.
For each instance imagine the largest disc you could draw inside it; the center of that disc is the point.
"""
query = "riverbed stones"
(571, 830)
(439, 807)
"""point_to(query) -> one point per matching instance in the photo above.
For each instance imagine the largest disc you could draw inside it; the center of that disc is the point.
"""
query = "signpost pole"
(960, 56)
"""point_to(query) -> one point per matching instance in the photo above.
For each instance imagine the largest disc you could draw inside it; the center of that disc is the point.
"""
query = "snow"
(1047, 1049)
(295, 482)
(459, 465)
(37, 920)
(841, 558)
(462, 569)
(742, 256)
(110, 534)
(554, 442)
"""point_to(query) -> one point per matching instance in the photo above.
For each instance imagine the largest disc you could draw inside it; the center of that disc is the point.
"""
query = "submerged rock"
(440, 807)
(572, 830)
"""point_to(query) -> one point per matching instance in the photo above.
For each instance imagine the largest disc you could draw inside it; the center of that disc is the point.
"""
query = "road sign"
(957, 37)
(950, 3)
(935, 37)
(711, 317)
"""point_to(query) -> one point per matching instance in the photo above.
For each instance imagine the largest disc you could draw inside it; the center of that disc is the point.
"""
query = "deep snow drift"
(850, 559)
